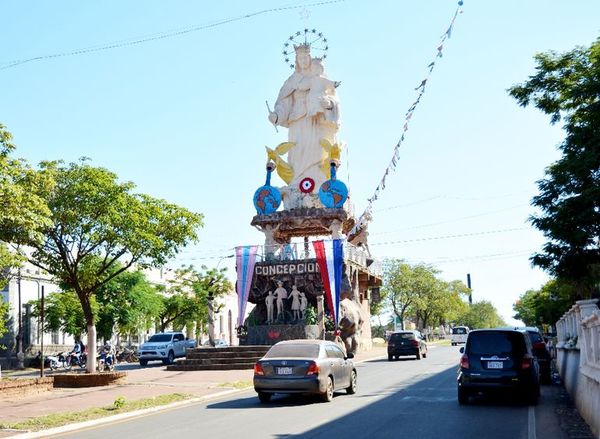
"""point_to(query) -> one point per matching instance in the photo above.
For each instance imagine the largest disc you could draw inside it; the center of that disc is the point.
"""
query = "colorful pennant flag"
(245, 261)
(366, 215)
(330, 257)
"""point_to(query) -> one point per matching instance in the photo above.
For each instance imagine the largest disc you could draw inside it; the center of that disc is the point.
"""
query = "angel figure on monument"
(295, 296)
(270, 301)
(281, 294)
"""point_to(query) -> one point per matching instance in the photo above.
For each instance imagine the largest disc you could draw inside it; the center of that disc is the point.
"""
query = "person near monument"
(307, 105)
(270, 301)
(295, 296)
(281, 294)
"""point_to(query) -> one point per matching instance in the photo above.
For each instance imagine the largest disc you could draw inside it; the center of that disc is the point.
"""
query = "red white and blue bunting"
(366, 216)
(245, 260)
(330, 257)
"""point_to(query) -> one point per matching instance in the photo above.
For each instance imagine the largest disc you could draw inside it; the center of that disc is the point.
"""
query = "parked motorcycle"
(128, 355)
(57, 361)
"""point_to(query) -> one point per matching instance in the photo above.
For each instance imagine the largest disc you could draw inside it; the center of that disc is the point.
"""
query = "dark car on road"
(304, 366)
(498, 360)
(541, 352)
(403, 343)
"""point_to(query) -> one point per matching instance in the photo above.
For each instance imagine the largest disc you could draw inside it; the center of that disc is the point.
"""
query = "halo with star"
(311, 37)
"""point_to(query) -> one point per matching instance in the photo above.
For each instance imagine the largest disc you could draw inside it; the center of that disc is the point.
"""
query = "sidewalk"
(147, 382)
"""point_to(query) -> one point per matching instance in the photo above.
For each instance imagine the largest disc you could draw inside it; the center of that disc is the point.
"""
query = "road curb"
(122, 416)
(108, 419)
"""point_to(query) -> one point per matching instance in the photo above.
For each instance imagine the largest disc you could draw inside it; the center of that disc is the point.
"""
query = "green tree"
(546, 305)
(127, 304)
(3, 320)
(566, 87)
(406, 286)
(480, 315)
(187, 297)
(23, 213)
(63, 312)
(98, 222)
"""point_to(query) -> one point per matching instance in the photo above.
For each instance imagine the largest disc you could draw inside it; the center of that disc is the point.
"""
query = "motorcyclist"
(108, 351)
(77, 351)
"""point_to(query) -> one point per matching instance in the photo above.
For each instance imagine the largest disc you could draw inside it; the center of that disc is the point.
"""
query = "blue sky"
(184, 117)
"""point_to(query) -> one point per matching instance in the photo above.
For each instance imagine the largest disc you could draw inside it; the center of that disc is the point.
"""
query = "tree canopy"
(98, 222)
(23, 213)
(566, 86)
(416, 291)
(546, 305)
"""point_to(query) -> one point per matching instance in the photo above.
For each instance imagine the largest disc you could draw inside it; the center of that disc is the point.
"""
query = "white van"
(459, 335)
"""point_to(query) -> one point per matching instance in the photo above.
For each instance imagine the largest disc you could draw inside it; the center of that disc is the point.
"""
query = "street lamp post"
(211, 323)
(20, 355)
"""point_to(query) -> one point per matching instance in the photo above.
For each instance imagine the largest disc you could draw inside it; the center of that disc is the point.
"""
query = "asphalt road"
(399, 398)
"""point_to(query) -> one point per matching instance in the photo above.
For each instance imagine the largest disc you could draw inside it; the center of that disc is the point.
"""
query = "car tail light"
(258, 370)
(527, 361)
(539, 345)
(464, 361)
(415, 343)
(313, 369)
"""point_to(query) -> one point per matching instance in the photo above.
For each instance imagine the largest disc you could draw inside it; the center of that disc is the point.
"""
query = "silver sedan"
(304, 366)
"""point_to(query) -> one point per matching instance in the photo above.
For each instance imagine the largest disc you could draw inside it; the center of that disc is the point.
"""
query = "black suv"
(406, 343)
(498, 360)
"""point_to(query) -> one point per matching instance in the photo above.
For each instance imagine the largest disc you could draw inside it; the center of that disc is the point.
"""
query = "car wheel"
(463, 396)
(425, 354)
(143, 363)
(351, 390)
(419, 354)
(390, 357)
(546, 376)
(264, 397)
(170, 358)
(327, 396)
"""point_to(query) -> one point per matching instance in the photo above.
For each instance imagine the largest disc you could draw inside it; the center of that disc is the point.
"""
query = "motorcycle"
(57, 361)
(77, 360)
(105, 361)
(127, 355)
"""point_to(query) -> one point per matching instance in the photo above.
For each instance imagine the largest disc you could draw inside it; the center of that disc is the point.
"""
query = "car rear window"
(496, 343)
(535, 337)
(459, 331)
(402, 335)
(293, 350)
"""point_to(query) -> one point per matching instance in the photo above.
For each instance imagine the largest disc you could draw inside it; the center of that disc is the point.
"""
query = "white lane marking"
(531, 423)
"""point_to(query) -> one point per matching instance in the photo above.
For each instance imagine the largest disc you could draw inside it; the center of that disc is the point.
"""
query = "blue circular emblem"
(266, 200)
(333, 193)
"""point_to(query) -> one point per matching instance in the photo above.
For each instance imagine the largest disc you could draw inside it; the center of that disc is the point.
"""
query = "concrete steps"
(229, 358)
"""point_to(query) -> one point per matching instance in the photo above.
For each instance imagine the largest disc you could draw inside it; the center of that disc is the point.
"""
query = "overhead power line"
(462, 235)
(161, 35)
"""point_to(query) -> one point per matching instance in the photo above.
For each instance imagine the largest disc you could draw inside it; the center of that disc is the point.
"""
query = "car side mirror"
(350, 356)
(462, 350)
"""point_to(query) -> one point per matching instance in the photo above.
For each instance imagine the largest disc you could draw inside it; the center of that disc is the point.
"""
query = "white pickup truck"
(165, 346)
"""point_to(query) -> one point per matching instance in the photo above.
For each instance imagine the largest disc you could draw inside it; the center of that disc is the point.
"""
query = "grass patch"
(119, 406)
(237, 384)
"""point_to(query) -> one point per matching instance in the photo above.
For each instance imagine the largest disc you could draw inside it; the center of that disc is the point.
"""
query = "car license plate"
(495, 364)
(284, 371)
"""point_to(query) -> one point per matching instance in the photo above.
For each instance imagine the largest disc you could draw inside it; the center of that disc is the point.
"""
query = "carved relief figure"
(303, 304)
(270, 301)
(295, 296)
(307, 105)
(281, 294)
